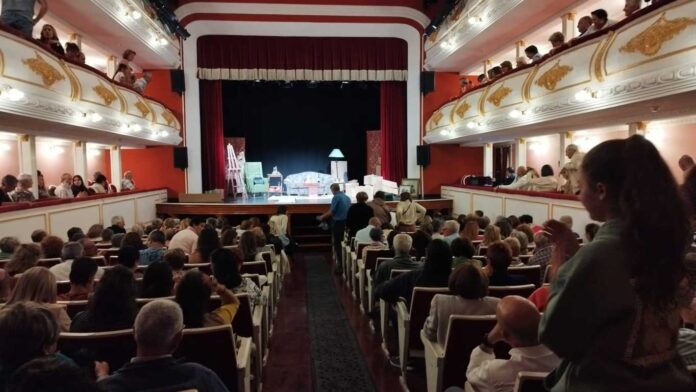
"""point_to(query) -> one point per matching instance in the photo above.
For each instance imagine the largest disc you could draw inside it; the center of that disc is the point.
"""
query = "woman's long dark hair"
(438, 259)
(158, 280)
(193, 296)
(113, 304)
(77, 189)
(646, 199)
(247, 244)
(225, 263)
(207, 242)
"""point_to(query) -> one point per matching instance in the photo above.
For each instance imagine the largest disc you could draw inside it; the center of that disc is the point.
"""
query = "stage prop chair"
(255, 181)
(275, 182)
(295, 183)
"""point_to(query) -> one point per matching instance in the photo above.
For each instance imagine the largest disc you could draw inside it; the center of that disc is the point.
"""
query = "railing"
(38, 84)
(629, 62)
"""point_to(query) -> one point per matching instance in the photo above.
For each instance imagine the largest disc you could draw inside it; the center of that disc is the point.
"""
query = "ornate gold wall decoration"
(437, 117)
(462, 109)
(143, 108)
(168, 118)
(553, 75)
(105, 94)
(650, 41)
(49, 74)
(499, 95)
(433, 37)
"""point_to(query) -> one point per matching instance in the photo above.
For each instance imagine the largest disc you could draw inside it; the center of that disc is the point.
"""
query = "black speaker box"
(423, 155)
(427, 82)
(180, 157)
(177, 79)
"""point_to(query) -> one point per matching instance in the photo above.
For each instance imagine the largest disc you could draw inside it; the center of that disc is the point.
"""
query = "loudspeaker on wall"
(423, 155)
(427, 82)
(180, 157)
(176, 77)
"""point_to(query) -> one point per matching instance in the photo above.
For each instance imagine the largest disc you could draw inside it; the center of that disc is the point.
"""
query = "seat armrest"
(243, 353)
(402, 312)
(432, 348)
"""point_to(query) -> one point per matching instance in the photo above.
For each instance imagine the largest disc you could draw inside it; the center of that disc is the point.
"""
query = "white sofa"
(295, 183)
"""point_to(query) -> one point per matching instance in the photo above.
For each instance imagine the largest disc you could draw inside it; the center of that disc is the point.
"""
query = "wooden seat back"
(214, 348)
(525, 258)
(254, 267)
(524, 290)
(100, 260)
(268, 260)
(373, 254)
(63, 287)
(359, 248)
(242, 323)
(464, 333)
(254, 278)
(48, 263)
(530, 382)
(114, 347)
(74, 307)
(205, 268)
(419, 311)
(531, 272)
(396, 272)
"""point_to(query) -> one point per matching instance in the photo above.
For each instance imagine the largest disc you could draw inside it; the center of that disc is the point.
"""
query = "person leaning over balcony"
(127, 183)
(532, 53)
(506, 67)
(63, 190)
(49, 37)
(19, 14)
(78, 187)
(23, 190)
(557, 40)
(600, 20)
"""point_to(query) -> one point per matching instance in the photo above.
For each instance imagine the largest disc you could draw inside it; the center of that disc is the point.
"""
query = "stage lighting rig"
(168, 18)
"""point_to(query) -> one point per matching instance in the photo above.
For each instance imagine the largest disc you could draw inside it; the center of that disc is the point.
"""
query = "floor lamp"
(339, 166)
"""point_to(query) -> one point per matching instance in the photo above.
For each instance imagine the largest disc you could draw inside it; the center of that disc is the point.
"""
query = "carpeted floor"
(337, 363)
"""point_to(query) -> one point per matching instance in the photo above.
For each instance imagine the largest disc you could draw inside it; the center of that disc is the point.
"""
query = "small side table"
(275, 184)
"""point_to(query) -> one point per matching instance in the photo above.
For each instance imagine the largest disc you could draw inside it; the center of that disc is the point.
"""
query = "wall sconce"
(586, 94)
(11, 93)
(516, 113)
(4, 147)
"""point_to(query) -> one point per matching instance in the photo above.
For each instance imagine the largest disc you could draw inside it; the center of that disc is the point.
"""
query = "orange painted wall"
(154, 167)
(448, 162)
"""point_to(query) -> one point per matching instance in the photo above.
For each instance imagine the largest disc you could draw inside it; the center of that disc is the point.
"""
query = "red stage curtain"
(393, 123)
(212, 140)
(231, 57)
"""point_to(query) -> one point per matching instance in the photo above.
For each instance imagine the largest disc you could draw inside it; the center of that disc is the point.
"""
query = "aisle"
(321, 341)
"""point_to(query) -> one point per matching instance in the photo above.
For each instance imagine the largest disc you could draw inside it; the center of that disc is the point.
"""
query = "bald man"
(571, 170)
(584, 24)
(630, 7)
(521, 180)
(518, 324)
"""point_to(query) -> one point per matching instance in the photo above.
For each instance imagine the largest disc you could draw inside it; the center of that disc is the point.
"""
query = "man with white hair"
(363, 235)
(571, 170)
(401, 260)
(118, 225)
(23, 191)
(450, 231)
(158, 332)
(70, 252)
(64, 189)
(518, 324)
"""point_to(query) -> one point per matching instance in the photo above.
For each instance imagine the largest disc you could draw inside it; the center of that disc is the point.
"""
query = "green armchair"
(255, 180)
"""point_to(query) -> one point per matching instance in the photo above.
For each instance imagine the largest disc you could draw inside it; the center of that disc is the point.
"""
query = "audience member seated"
(518, 321)
(38, 285)
(41, 186)
(547, 182)
(20, 14)
(73, 231)
(557, 40)
(226, 264)
(158, 281)
(491, 234)
(23, 190)
(619, 295)
(128, 257)
(95, 231)
(142, 82)
(376, 242)
(51, 374)
(463, 251)
(127, 183)
(522, 240)
(249, 246)
(118, 225)
(82, 274)
(527, 230)
(207, 242)
(37, 236)
(499, 258)
(408, 213)
(112, 307)
(568, 221)
(74, 53)
(176, 258)
(363, 235)
(521, 179)
(78, 187)
(27, 331)
(630, 7)
(542, 251)
(7, 247)
(89, 247)
(591, 230)
(186, 239)
(514, 244)
(24, 257)
(532, 53)
(600, 20)
(686, 163)
(504, 225)
(494, 73)
(482, 79)
(139, 229)
(450, 231)
(520, 62)
(155, 248)
(228, 237)
(464, 85)
(359, 214)
(100, 184)
(69, 252)
(123, 75)
(133, 239)
(401, 260)
(9, 183)
(421, 239)
(193, 295)
(49, 38)
(584, 25)
(117, 240)
(63, 190)
(434, 273)
(471, 231)
(157, 335)
(506, 67)
(469, 288)
(51, 247)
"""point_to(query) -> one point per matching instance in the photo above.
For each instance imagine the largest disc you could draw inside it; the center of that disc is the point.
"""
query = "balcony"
(47, 95)
(640, 69)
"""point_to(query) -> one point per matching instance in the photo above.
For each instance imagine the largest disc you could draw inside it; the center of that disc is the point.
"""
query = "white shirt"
(543, 184)
(64, 191)
(573, 170)
(536, 57)
(98, 188)
(521, 183)
(127, 184)
(120, 77)
(140, 85)
(185, 240)
(363, 235)
(62, 271)
(592, 28)
(281, 222)
(485, 373)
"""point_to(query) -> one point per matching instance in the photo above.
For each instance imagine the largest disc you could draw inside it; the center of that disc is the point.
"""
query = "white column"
(27, 159)
(116, 166)
(566, 139)
(637, 128)
(80, 159)
(520, 152)
(111, 65)
(488, 159)
(486, 66)
(568, 25)
(519, 49)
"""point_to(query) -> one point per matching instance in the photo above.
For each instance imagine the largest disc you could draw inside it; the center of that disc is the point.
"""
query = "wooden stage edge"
(221, 209)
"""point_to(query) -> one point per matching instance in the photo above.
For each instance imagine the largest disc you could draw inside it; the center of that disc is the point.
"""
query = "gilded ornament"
(555, 74)
(462, 109)
(143, 108)
(437, 117)
(168, 118)
(49, 74)
(650, 41)
(499, 95)
(105, 94)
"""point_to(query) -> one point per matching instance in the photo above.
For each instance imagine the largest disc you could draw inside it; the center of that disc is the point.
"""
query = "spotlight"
(516, 113)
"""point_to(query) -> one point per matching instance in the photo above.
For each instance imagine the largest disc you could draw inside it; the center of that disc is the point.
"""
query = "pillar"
(488, 159)
(27, 159)
(566, 139)
(80, 158)
(568, 26)
(520, 152)
(116, 172)
(519, 49)
(111, 65)
(637, 128)
(486, 65)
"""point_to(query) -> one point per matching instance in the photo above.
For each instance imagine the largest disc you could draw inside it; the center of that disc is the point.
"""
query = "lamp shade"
(336, 154)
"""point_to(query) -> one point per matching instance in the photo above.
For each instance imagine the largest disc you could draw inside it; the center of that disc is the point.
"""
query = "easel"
(235, 178)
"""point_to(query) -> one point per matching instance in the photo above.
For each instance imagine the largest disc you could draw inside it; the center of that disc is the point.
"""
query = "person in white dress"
(64, 189)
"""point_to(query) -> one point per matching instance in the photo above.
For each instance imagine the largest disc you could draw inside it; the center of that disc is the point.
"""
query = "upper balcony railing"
(47, 94)
(649, 55)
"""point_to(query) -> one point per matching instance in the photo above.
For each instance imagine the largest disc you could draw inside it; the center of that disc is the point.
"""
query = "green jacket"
(595, 323)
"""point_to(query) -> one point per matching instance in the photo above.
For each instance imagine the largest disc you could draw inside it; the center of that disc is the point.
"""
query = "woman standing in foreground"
(613, 314)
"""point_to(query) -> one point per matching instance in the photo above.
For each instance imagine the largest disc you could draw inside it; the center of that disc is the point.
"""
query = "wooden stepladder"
(235, 173)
